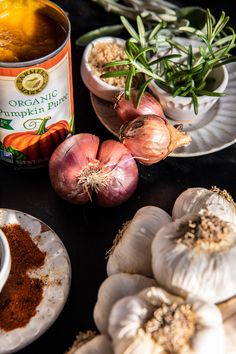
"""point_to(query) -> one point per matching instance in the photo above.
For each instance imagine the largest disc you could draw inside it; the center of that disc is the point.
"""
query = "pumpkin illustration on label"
(38, 145)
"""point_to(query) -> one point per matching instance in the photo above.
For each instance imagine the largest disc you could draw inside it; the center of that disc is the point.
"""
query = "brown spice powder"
(21, 294)
(172, 327)
(103, 53)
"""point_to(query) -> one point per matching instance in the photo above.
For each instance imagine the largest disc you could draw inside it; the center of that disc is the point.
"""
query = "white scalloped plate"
(215, 131)
(57, 271)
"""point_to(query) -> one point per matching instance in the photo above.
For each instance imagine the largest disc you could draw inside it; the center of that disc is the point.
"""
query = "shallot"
(127, 109)
(150, 138)
(79, 168)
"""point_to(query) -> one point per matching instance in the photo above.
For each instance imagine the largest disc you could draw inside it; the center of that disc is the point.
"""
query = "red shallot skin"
(147, 137)
(66, 162)
(127, 110)
(123, 171)
(78, 171)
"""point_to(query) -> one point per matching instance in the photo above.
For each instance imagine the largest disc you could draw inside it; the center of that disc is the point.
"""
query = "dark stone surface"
(87, 231)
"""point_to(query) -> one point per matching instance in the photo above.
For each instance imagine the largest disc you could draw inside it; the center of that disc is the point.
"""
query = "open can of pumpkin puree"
(36, 92)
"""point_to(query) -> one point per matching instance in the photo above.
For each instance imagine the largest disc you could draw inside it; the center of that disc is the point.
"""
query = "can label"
(36, 109)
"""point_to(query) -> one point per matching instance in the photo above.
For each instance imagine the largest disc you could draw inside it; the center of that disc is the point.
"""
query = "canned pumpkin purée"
(36, 92)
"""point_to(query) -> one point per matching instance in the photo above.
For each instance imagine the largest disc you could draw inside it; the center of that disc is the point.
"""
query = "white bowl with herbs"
(97, 54)
(188, 80)
(182, 109)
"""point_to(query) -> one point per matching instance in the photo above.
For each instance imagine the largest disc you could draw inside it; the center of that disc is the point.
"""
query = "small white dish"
(5, 260)
(96, 85)
(55, 273)
(181, 109)
(215, 131)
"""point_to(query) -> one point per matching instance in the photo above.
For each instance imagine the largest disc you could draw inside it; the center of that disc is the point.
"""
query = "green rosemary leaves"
(180, 69)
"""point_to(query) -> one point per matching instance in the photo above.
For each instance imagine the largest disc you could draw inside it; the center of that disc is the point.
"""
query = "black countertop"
(88, 231)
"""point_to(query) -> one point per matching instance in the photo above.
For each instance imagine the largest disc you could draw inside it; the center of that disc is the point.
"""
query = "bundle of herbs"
(180, 69)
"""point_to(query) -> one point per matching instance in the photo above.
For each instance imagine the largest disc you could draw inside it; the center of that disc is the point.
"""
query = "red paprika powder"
(21, 294)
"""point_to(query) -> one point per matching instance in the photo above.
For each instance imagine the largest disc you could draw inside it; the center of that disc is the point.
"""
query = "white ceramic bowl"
(96, 85)
(5, 260)
(181, 109)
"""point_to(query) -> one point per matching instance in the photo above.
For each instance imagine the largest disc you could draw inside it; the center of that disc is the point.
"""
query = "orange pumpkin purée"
(26, 32)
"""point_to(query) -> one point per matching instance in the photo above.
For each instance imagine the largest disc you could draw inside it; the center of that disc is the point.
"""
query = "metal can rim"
(25, 64)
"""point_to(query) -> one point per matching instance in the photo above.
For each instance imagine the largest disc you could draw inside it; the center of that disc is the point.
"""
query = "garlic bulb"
(90, 343)
(155, 322)
(131, 251)
(196, 254)
(114, 288)
(216, 201)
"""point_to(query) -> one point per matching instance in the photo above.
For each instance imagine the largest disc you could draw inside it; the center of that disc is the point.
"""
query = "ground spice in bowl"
(103, 53)
(21, 294)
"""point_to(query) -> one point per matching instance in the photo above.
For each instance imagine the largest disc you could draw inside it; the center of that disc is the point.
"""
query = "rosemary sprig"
(138, 58)
(185, 70)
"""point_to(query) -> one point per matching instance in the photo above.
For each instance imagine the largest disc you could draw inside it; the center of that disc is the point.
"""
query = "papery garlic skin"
(217, 202)
(113, 289)
(100, 344)
(230, 330)
(132, 253)
(228, 312)
(129, 316)
(185, 270)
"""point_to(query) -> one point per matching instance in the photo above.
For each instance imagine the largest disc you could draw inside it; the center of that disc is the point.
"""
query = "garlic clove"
(228, 311)
(138, 345)
(114, 288)
(203, 263)
(154, 321)
(131, 251)
(188, 201)
(230, 329)
(126, 318)
(155, 296)
(211, 334)
(216, 201)
(90, 343)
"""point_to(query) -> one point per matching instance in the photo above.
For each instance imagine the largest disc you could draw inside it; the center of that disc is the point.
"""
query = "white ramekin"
(96, 85)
